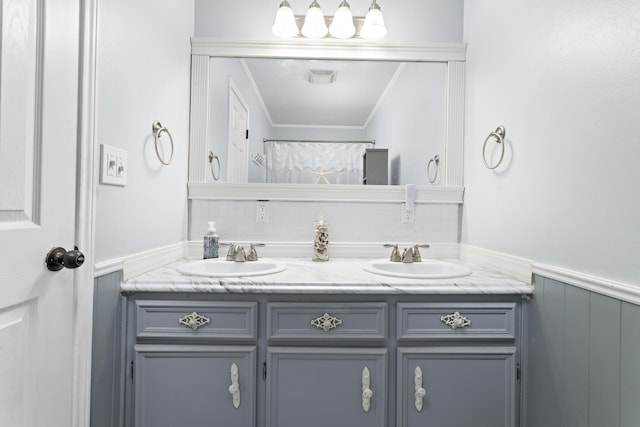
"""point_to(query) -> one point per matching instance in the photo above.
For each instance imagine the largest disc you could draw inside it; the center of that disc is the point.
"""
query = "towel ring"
(499, 135)
(436, 162)
(157, 131)
(213, 157)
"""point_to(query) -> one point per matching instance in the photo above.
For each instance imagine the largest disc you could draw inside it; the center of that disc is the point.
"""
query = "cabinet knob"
(455, 320)
(420, 392)
(367, 393)
(194, 320)
(326, 322)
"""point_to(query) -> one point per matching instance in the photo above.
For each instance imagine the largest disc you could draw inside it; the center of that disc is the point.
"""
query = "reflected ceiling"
(291, 100)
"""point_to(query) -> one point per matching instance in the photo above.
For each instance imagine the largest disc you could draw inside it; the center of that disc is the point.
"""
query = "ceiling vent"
(321, 77)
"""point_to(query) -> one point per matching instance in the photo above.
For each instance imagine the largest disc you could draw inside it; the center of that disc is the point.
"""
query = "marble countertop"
(337, 276)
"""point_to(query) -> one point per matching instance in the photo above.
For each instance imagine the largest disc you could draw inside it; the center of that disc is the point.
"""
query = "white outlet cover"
(117, 175)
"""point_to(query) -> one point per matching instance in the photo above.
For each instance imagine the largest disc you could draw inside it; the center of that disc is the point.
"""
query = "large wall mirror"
(323, 118)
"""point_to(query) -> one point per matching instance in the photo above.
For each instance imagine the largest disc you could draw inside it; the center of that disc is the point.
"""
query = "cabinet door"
(189, 385)
(320, 387)
(458, 386)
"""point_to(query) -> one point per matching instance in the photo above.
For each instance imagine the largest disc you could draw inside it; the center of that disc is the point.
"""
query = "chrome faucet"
(410, 254)
(237, 253)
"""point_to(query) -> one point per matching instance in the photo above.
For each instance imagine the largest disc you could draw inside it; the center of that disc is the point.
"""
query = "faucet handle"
(416, 252)
(231, 255)
(253, 254)
(395, 254)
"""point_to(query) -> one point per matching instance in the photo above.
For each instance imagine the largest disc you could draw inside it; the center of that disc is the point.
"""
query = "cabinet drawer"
(233, 321)
(334, 322)
(456, 321)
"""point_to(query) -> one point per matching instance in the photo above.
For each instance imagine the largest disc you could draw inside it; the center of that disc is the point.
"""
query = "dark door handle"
(58, 258)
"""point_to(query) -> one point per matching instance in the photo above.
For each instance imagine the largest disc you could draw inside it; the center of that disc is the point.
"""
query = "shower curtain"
(315, 162)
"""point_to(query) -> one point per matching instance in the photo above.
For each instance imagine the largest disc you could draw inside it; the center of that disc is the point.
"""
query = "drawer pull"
(420, 392)
(326, 322)
(234, 388)
(194, 320)
(455, 320)
(367, 394)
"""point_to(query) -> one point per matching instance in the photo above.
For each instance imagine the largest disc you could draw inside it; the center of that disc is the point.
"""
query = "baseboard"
(610, 288)
(512, 266)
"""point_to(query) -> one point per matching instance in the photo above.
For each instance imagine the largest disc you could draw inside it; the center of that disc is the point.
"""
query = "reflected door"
(238, 158)
(39, 43)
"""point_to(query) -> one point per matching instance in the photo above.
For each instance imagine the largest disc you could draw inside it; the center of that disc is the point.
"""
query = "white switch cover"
(113, 165)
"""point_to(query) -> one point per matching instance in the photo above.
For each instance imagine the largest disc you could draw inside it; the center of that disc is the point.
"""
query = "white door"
(238, 151)
(39, 54)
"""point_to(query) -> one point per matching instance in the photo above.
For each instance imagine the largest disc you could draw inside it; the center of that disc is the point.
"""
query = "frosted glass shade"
(373, 28)
(314, 26)
(285, 23)
(342, 26)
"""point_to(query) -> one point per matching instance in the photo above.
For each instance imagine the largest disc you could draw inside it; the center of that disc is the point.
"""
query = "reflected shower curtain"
(315, 162)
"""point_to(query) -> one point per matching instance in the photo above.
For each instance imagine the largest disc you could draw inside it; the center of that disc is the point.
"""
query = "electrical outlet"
(262, 211)
(408, 214)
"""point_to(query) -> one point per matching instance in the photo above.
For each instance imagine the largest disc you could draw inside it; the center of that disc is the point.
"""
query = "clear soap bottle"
(211, 242)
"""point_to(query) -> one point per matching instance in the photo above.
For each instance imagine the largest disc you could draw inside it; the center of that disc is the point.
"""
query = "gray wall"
(143, 73)
(583, 360)
(561, 75)
(407, 21)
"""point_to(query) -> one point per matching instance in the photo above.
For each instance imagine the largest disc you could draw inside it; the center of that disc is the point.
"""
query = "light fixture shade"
(373, 28)
(342, 26)
(285, 23)
(314, 26)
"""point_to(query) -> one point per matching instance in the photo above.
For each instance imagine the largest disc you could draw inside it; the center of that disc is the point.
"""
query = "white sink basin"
(427, 269)
(223, 268)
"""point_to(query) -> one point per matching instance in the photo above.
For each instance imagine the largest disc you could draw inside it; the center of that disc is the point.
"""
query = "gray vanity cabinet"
(456, 365)
(316, 361)
(194, 363)
(327, 364)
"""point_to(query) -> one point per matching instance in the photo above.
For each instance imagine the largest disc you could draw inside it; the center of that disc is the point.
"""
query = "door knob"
(59, 258)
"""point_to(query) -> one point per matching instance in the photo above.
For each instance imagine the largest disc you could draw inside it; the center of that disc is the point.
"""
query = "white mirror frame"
(202, 49)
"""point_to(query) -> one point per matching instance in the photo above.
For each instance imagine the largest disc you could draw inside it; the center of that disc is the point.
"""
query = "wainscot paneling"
(107, 352)
(583, 361)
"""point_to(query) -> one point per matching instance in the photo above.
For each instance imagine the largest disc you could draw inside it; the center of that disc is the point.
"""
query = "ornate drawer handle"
(455, 320)
(194, 320)
(326, 322)
(420, 392)
(367, 394)
(234, 388)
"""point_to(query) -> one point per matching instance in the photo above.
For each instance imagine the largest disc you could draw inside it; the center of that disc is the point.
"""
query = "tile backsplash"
(348, 222)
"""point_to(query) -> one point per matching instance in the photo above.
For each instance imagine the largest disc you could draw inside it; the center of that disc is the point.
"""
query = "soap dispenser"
(320, 240)
(211, 242)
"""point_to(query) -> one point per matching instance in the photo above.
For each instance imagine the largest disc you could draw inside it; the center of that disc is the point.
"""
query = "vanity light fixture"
(342, 25)
(373, 28)
(314, 25)
(285, 23)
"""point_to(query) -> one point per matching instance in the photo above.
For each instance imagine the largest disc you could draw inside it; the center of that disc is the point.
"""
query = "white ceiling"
(290, 100)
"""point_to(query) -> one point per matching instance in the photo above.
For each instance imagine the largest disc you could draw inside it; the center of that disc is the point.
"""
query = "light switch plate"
(113, 165)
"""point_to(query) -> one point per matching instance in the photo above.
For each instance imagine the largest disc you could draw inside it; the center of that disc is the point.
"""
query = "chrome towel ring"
(499, 135)
(157, 131)
(213, 157)
(435, 161)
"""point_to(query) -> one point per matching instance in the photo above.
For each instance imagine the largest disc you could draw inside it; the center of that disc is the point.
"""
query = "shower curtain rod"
(322, 141)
